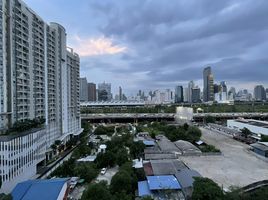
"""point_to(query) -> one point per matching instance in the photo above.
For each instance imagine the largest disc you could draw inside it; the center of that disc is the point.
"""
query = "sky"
(157, 44)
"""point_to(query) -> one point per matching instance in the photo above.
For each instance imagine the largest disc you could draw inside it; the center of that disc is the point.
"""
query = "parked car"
(103, 171)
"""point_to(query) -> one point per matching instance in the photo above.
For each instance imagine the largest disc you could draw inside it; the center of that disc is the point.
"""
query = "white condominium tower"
(39, 82)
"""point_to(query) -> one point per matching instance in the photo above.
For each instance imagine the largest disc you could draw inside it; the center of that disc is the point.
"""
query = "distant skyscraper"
(92, 92)
(190, 87)
(259, 93)
(104, 92)
(185, 95)
(178, 94)
(266, 93)
(83, 89)
(208, 91)
(120, 96)
(223, 86)
(196, 95)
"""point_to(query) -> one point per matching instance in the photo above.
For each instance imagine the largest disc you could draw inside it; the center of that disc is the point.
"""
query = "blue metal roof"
(163, 182)
(143, 189)
(38, 189)
(148, 142)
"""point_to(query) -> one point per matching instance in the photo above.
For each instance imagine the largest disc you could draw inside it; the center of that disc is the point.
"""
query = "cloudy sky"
(149, 44)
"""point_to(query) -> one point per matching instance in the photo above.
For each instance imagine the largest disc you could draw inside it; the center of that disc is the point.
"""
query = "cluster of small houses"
(166, 176)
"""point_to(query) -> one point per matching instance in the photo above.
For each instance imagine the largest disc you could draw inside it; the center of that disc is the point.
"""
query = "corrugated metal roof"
(163, 183)
(166, 167)
(260, 146)
(185, 177)
(148, 142)
(143, 189)
(38, 189)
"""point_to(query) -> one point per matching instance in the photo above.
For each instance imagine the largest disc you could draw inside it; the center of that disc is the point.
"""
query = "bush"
(209, 148)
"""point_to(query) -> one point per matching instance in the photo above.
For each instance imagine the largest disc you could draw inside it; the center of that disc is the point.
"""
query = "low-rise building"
(257, 127)
(260, 148)
(41, 189)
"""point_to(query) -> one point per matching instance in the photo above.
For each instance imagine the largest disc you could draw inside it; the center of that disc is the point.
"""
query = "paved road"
(237, 167)
(108, 175)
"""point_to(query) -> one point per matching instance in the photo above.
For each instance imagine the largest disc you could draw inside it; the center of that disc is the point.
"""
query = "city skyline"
(172, 49)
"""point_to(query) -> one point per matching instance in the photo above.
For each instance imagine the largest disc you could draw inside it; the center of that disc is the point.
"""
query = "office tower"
(223, 86)
(190, 87)
(120, 96)
(196, 95)
(104, 92)
(178, 94)
(185, 94)
(232, 93)
(243, 95)
(208, 91)
(259, 93)
(266, 91)
(220, 92)
(39, 83)
(92, 92)
(83, 89)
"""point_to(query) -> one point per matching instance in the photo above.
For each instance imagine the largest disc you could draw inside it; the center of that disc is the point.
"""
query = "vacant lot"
(236, 167)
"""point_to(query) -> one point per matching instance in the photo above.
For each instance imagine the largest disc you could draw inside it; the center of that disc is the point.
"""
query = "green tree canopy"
(97, 191)
(86, 171)
(246, 132)
(121, 181)
(206, 189)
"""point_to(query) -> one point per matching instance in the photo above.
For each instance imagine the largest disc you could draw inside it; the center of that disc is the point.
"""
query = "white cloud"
(95, 46)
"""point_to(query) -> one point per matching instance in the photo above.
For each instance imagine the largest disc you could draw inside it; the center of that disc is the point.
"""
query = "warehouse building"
(260, 148)
(255, 126)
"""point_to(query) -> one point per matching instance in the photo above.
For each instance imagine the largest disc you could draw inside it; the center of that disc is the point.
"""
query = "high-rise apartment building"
(83, 89)
(195, 95)
(92, 92)
(120, 95)
(178, 94)
(104, 92)
(208, 91)
(259, 93)
(39, 80)
(190, 87)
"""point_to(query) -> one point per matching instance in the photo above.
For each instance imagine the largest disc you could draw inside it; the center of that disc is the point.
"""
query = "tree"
(66, 169)
(121, 156)
(97, 191)
(106, 159)
(245, 132)
(193, 134)
(121, 181)
(206, 189)
(264, 138)
(86, 171)
(137, 149)
(185, 126)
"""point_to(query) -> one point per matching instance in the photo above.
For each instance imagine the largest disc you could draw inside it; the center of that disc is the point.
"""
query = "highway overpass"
(130, 117)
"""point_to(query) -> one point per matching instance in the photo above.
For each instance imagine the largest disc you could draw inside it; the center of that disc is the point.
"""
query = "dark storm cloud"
(174, 40)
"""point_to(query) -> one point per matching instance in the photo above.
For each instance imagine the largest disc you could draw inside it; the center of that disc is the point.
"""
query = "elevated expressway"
(130, 117)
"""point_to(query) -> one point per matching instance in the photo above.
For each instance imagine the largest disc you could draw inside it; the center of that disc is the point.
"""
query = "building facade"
(208, 91)
(83, 89)
(259, 93)
(179, 94)
(92, 92)
(196, 95)
(39, 80)
(104, 92)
